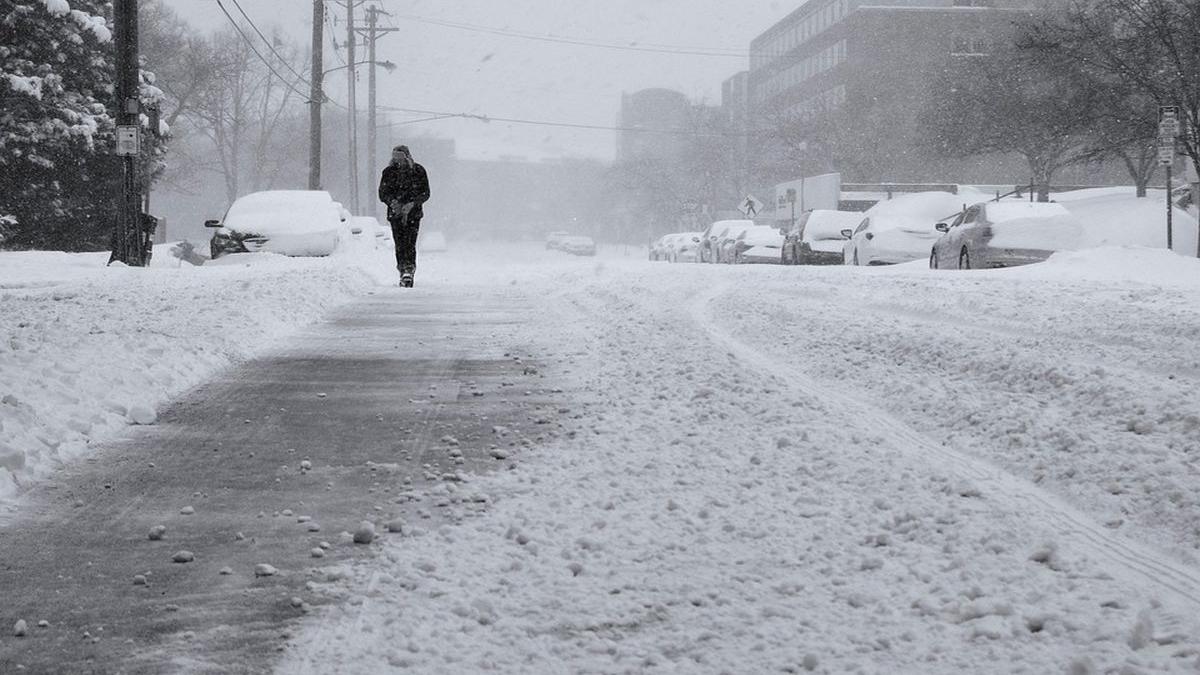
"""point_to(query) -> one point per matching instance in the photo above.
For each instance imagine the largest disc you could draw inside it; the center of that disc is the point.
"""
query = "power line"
(660, 49)
(257, 53)
(438, 115)
(269, 44)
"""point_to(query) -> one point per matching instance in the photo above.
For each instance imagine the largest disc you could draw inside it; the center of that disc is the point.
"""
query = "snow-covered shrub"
(57, 172)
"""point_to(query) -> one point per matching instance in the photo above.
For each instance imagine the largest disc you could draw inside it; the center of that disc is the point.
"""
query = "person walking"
(404, 188)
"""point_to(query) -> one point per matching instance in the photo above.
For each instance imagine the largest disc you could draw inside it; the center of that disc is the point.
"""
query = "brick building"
(872, 64)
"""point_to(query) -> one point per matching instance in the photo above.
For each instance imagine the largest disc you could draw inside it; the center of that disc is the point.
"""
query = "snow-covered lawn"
(825, 469)
(86, 349)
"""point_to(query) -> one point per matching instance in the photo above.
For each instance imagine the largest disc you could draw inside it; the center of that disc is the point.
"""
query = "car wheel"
(964, 259)
(933, 264)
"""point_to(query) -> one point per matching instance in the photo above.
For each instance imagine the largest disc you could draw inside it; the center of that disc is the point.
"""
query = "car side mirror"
(212, 223)
(846, 234)
(942, 227)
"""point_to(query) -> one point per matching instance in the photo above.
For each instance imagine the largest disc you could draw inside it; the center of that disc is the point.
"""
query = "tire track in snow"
(1135, 563)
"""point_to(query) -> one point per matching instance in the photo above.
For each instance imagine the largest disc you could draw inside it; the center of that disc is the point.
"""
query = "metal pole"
(316, 95)
(353, 96)
(1170, 243)
(128, 246)
(371, 112)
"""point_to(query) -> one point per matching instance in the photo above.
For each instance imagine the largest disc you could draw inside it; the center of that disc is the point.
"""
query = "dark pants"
(404, 234)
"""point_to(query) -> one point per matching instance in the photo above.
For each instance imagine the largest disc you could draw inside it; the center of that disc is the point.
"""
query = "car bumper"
(1014, 257)
(811, 257)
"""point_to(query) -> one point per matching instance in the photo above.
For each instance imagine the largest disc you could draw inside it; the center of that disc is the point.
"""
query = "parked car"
(898, 230)
(712, 234)
(554, 240)
(576, 245)
(371, 232)
(658, 250)
(816, 238)
(1004, 234)
(758, 244)
(289, 222)
(685, 247)
(726, 242)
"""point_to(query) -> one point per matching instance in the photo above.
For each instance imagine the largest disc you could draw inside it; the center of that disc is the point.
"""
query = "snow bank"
(86, 350)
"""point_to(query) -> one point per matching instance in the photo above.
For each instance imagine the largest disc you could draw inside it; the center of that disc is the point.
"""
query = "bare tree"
(1006, 102)
(1151, 47)
(246, 111)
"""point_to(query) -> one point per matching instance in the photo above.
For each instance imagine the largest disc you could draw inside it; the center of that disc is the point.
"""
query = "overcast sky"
(455, 70)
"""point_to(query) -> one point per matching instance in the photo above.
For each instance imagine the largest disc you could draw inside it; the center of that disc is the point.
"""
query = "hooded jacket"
(404, 184)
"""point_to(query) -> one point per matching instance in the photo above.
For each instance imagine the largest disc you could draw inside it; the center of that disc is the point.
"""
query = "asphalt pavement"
(357, 418)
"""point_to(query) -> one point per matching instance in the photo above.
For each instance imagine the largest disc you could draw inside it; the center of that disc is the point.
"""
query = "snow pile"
(767, 508)
(86, 350)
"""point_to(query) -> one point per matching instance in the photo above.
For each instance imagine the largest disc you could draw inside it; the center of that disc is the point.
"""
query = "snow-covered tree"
(58, 175)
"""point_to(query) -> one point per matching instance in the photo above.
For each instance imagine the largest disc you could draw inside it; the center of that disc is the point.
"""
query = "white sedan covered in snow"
(899, 230)
(288, 222)
(1005, 234)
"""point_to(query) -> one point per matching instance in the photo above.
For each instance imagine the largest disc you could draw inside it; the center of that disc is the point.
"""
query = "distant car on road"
(758, 244)
(554, 239)
(1004, 234)
(658, 250)
(288, 222)
(685, 247)
(817, 239)
(576, 245)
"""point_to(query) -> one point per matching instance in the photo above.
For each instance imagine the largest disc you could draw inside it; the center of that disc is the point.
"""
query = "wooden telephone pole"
(316, 95)
(131, 241)
(373, 33)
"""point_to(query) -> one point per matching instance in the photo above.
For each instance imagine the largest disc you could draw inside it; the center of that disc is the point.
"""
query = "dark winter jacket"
(404, 184)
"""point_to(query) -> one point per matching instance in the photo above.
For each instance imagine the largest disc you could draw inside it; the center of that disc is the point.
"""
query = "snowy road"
(736, 469)
(828, 469)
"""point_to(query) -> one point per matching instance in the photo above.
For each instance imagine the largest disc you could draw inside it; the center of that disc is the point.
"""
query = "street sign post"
(1168, 131)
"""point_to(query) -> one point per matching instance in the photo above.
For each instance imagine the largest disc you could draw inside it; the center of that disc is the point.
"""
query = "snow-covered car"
(817, 237)
(577, 245)
(554, 240)
(724, 244)
(288, 222)
(432, 242)
(898, 230)
(758, 244)
(658, 250)
(714, 233)
(369, 230)
(1004, 234)
(685, 247)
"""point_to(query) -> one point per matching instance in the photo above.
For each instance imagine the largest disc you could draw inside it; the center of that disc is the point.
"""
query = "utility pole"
(352, 90)
(316, 95)
(374, 32)
(129, 242)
